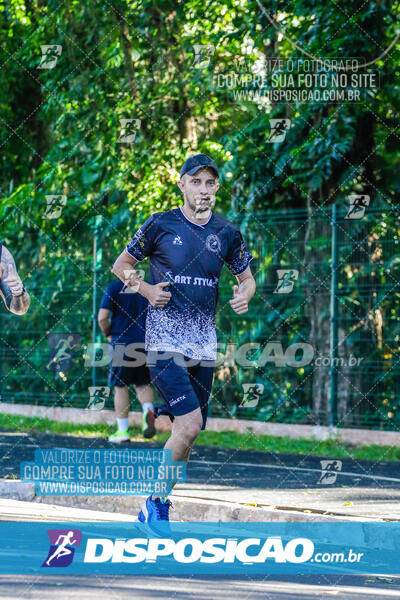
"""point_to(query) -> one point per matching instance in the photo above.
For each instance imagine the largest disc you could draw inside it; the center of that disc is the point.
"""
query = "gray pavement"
(198, 588)
(220, 484)
(225, 484)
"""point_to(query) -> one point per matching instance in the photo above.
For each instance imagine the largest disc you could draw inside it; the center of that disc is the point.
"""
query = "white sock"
(122, 424)
(147, 406)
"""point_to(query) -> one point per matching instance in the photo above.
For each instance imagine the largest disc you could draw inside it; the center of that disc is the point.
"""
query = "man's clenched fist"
(157, 296)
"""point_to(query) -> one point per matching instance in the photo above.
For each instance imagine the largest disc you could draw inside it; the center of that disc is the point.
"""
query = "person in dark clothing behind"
(122, 318)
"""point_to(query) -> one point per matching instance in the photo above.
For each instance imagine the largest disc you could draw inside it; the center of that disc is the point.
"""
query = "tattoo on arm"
(17, 304)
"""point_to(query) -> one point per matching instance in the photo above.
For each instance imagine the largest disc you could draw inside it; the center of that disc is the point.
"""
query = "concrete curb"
(317, 432)
(185, 508)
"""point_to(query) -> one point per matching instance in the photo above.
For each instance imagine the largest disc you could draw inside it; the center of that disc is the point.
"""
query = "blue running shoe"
(155, 513)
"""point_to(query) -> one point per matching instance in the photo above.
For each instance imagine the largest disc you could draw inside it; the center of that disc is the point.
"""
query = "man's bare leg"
(121, 401)
(121, 405)
(145, 395)
(185, 430)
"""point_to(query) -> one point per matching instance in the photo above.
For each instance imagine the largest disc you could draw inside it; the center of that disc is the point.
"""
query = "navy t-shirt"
(128, 308)
(192, 257)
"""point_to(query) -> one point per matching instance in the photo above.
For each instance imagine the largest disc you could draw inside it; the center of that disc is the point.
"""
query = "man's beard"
(201, 209)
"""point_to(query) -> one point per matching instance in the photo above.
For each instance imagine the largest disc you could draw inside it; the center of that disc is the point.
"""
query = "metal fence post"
(334, 321)
(97, 265)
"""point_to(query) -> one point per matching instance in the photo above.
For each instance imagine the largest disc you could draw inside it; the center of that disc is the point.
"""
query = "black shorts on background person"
(122, 318)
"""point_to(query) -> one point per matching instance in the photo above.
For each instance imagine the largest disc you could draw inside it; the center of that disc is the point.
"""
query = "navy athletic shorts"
(138, 374)
(183, 388)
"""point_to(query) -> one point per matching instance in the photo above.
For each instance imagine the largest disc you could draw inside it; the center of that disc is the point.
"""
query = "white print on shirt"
(187, 279)
(189, 331)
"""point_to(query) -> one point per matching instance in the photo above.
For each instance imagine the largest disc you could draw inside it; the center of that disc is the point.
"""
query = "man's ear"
(181, 185)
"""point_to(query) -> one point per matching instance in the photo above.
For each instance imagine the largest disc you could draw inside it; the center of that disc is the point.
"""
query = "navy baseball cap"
(197, 162)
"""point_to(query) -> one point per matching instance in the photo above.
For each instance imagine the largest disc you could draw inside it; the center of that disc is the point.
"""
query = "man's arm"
(124, 269)
(243, 293)
(104, 321)
(15, 297)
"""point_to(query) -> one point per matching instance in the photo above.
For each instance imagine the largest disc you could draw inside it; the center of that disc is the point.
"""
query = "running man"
(12, 290)
(122, 319)
(187, 247)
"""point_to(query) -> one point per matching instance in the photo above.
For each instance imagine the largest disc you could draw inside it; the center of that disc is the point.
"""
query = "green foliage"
(126, 59)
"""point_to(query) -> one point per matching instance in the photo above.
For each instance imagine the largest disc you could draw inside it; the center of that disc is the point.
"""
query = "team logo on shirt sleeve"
(213, 243)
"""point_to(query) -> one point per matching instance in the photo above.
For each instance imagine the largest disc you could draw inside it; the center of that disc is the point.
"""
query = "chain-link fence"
(319, 344)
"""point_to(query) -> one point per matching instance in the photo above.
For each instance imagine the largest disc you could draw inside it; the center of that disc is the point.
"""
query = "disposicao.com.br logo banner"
(201, 548)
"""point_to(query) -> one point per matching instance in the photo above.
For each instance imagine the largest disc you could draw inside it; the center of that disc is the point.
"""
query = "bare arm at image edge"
(15, 297)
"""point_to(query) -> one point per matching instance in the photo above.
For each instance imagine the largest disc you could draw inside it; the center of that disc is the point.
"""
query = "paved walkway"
(247, 485)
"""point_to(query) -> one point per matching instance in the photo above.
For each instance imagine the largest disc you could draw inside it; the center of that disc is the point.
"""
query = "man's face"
(199, 191)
